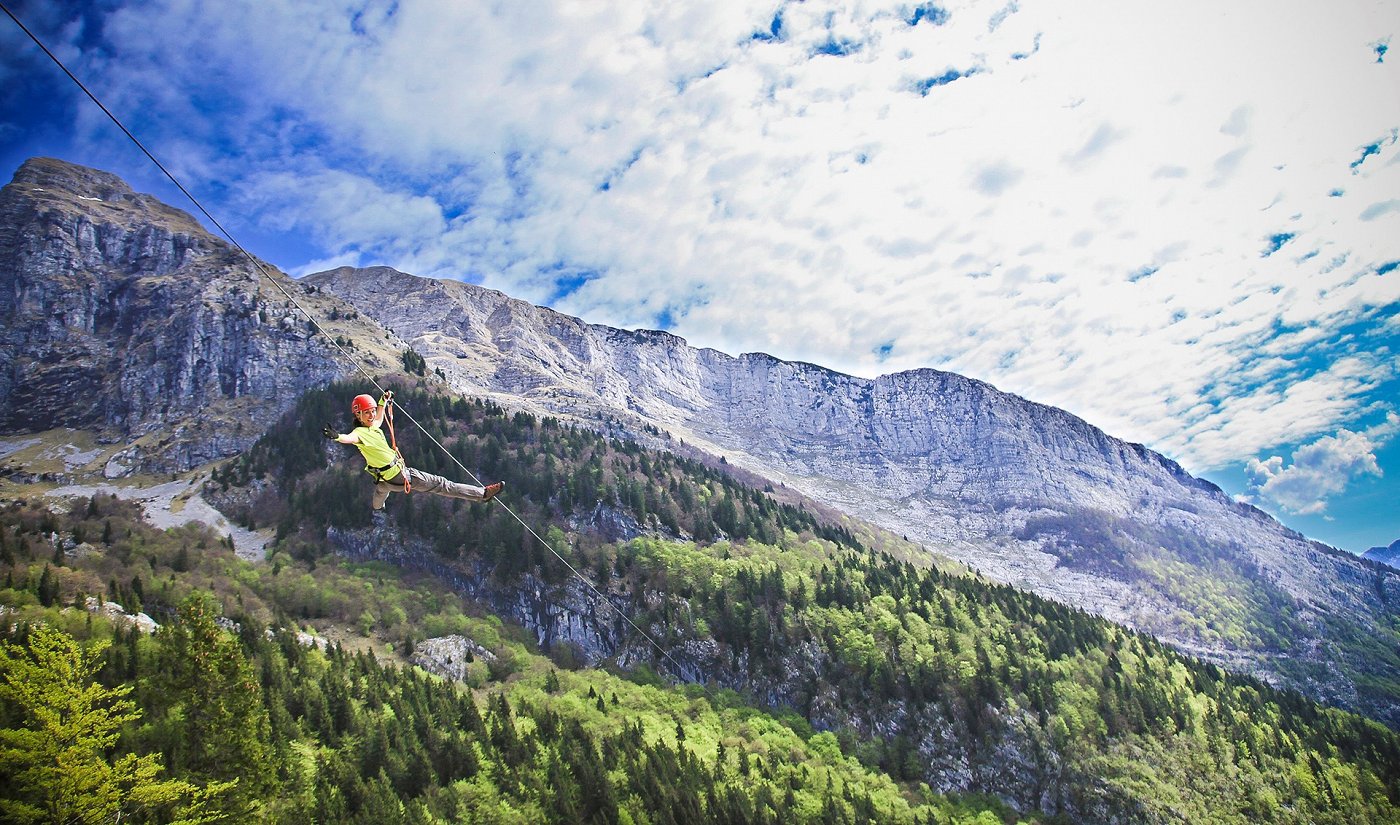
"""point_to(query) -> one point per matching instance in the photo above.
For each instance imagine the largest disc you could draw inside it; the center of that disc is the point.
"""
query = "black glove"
(329, 432)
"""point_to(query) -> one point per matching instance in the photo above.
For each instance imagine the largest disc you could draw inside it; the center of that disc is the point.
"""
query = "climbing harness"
(382, 474)
(394, 444)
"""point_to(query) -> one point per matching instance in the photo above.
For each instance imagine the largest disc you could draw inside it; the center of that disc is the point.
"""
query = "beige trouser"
(422, 482)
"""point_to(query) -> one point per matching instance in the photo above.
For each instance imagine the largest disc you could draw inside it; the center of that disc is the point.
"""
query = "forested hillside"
(226, 720)
(1030, 495)
(841, 684)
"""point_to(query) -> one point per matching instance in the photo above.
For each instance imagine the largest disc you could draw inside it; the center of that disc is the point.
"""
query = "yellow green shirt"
(375, 448)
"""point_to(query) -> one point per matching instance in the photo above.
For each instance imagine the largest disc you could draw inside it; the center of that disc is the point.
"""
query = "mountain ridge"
(991, 479)
(1028, 495)
(124, 316)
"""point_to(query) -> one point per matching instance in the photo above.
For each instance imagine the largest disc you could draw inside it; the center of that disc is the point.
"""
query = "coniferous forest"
(827, 677)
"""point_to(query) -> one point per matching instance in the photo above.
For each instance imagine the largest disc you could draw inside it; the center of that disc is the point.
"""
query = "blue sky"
(1181, 223)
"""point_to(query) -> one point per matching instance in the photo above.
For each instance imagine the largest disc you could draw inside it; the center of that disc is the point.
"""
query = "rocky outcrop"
(570, 614)
(117, 615)
(1027, 494)
(449, 656)
(123, 315)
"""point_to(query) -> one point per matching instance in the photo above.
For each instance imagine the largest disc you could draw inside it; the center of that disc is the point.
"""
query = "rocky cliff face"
(122, 315)
(1025, 493)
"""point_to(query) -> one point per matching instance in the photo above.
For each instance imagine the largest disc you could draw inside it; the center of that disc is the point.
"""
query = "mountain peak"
(121, 315)
(53, 173)
(49, 183)
(1385, 555)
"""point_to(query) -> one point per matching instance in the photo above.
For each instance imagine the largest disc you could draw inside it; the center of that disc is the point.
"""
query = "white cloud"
(1268, 406)
(1321, 469)
(350, 213)
(1078, 216)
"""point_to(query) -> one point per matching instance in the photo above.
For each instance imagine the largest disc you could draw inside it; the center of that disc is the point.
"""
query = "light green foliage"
(334, 737)
(59, 727)
(1157, 733)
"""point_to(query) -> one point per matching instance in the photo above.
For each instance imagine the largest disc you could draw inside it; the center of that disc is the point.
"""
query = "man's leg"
(439, 486)
(382, 489)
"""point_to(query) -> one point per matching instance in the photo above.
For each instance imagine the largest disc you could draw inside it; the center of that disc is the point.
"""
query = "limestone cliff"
(1025, 493)
(122, 315)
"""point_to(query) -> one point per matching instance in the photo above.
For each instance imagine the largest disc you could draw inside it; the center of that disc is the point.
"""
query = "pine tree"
(221, 729)
(48, 587)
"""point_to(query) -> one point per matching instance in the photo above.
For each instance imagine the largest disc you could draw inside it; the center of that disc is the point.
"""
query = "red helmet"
(362, 403)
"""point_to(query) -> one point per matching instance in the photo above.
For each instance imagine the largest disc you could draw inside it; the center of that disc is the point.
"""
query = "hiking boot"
(377, 518)
(492, 490)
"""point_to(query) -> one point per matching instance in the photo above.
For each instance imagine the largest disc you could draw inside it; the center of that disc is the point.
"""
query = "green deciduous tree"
(59, 725)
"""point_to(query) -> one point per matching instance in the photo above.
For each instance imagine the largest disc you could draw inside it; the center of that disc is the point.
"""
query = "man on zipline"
(387, 466)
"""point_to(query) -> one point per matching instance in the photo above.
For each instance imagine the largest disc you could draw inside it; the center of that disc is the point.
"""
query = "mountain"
(835, 684)
(1027, 494)
(1385, 555)
(122, 315)
(936, 677)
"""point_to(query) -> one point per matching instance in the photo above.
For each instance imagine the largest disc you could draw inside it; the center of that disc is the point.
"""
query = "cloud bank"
(1321, 469)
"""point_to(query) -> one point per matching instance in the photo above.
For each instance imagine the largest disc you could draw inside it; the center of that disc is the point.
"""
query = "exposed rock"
(120, 465)
(568, 614)
(117, 615)
(123, 315)
(615, 525)
(311, 640)
(449, 656)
